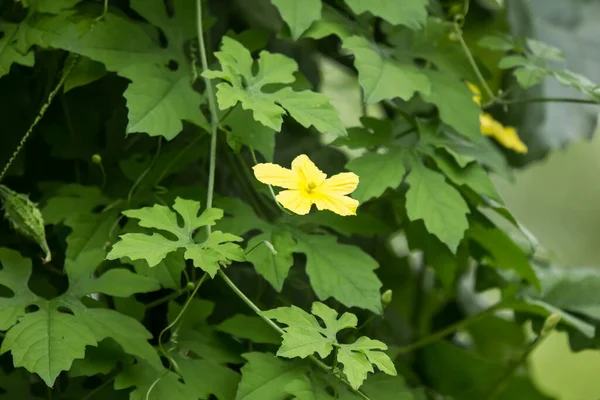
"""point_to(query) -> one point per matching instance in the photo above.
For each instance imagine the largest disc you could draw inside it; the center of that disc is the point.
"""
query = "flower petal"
(295, 201)
(509, 139)
(307, 171)
(340, 184)
(506, 136)
(342, 205)
(276, 175)
(476, 93)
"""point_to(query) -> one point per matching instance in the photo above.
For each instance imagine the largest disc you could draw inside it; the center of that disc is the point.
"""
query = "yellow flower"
(308, 185)
(506, 135)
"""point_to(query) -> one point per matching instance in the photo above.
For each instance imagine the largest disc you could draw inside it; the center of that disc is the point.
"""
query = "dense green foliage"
(154, 265)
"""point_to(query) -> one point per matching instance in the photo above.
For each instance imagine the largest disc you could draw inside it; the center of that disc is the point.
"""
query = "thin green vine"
(214, 116)
(434, 337)
(67, 70)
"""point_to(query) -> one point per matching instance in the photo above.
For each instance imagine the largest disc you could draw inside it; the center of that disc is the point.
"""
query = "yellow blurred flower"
(506, 135)
(476, 93)
(308, 185)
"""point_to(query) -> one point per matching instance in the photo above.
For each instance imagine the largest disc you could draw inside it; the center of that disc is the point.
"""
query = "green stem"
(434, 337)
(214, 117)
(104, 11)
(273, 325)
(175, 159)
(246, 186)
(181, 313)
(143, 174)
(171, 296)
(40, 115)
(94, 391)
(467, 51)
(248, 176)
(550, 100)
(270, 187)
(496, 389)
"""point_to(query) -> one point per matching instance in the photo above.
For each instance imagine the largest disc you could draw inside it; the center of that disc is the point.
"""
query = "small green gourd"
(25, 217)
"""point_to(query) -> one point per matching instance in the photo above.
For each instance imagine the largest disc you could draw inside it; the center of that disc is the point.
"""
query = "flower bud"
(190, 285)
(97, 159)
(270, 247)
(550, 323)
(386, 297)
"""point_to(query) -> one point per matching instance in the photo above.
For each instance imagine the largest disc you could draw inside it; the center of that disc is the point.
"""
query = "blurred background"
(555, 192)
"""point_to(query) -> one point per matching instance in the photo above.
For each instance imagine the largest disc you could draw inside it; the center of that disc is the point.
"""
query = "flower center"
(311, 186)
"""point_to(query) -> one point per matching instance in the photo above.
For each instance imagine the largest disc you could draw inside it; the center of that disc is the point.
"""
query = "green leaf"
(8, 54)
(90, 232)
(251, 328)
(60, 338)
(118, 282)
(455, 103)
(377, 172)
(497, 42)
(242, 86)
(573, 290)
(309, 388)
(472, 376)
(435, 253)
(126, 331)
(382, 78)
(72, 199)
(412, 13)
(274, 267)
(167, 272)
(115, 41)
(166, 385)
(472, 175)
(375, 132)
(504, 252)
(206, 378)
(93, 325)
(14, 274)
(85, 72)
(311, 108)
(247, 131)
(203, 340)
(217, 248)
(532, 306)
(240, 218)
(158, 100)
(99, 360)
(343, 272)
(159, 97)
(384, 387)
(432, 43)
(264, 376)
(298, 16)
(331, 22)
(359, 357)
(439, 205)
(304, 335)
(362, 224)
(50, 6)
(73, 205)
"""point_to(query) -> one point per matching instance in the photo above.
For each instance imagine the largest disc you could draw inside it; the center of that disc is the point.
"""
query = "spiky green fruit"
(25, 217)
